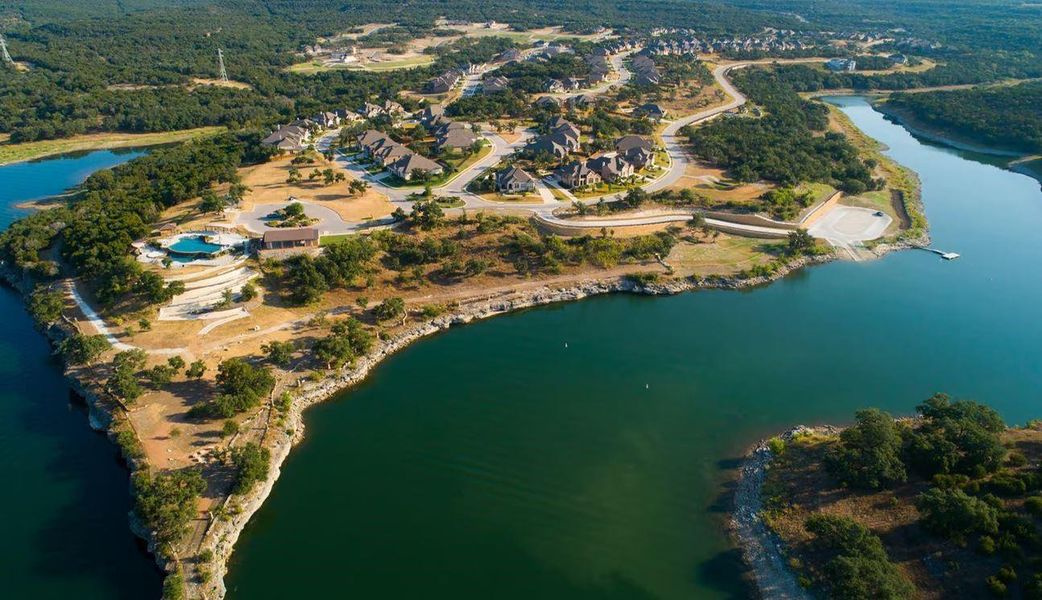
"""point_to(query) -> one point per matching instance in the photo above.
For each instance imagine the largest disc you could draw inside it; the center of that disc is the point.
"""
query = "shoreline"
(937, 136)
(762, 550)
(223, 535)
(12, 154)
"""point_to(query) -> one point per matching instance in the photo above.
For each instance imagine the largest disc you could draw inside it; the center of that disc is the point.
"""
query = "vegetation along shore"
(942, 505)
(326, 185)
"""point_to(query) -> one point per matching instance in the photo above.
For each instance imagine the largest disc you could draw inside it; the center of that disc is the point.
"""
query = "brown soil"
(267, 183)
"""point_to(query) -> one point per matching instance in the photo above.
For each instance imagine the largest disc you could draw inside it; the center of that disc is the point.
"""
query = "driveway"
(329, 222)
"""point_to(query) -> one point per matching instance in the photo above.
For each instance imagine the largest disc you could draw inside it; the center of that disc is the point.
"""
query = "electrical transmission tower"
(3, 51)
(220, 64)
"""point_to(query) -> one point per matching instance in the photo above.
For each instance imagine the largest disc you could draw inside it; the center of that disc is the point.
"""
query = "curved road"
(671, 137)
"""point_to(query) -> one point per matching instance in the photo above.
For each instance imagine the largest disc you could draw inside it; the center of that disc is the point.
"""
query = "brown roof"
(291, 235)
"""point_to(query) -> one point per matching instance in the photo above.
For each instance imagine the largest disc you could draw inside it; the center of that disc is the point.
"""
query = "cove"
(494, 461)
(66, 496)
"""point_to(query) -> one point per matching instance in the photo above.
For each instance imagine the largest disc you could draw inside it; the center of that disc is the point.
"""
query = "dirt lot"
(268, 185)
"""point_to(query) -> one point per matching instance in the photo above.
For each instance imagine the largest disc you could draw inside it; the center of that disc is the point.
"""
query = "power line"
(220, 63)
(3, 50)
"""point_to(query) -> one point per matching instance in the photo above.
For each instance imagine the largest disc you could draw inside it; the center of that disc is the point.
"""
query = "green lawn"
(11, 153)
(327, 240)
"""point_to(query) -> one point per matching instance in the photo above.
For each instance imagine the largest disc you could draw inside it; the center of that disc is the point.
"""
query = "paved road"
(672, 140)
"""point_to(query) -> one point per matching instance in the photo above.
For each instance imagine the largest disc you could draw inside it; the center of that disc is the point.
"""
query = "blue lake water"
(65, 497)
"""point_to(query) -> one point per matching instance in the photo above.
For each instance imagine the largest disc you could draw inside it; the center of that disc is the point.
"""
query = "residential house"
(495, 84)
(566, 127)
(393, 109)
(572, 83)
(444, 125)
(548, 103)
(379, 147)
(371, 111)
(288, 137)
(512, 54)
(443, 83)
(577, 174)
(582, 101)
(455, 139)
(597, 76)
(645, 73)
(412, 164)
(628, 142)
(611, 167)
(513, 179)
(431, 113)
(348, 115)
(637, 150)
(639, 157)
(326, 120)
(390, 152)
(555, 146)
(553, 85)
(653, 112)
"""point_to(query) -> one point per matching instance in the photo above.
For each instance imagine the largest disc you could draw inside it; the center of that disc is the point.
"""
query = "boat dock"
(941, 253)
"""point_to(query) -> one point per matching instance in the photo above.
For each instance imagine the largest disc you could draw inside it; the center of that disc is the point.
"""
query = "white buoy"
(566, 344)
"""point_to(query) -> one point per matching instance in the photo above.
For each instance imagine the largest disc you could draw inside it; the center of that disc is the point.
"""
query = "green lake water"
(65, 494)
(586, 450)
(493, 461)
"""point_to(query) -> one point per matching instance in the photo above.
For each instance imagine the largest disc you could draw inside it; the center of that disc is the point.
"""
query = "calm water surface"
(65, 497)
(494, 462)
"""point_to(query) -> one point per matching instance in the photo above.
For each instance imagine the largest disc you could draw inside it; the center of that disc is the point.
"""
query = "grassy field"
(12, 153)
(722, 255)
(312, 67)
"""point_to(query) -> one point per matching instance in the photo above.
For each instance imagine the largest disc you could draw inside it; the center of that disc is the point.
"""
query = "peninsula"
(376, 182)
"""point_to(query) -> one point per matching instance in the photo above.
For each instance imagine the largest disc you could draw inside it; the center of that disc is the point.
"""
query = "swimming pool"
(192, 247)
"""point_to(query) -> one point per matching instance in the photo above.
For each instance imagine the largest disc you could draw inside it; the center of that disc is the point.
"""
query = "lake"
(585, 450)
(495, 461)
(66, 494)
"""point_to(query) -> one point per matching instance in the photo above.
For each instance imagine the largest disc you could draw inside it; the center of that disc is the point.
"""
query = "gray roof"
(413, 162)
(291, 235)
(629, 142)
(513, 173)
(457, 138)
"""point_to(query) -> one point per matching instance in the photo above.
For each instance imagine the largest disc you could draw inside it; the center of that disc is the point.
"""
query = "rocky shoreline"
(761, 549)
(222, 534)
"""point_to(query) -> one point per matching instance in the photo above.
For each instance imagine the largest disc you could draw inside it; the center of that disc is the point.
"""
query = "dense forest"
(956, 69)
(784, 146)
(1003, 117)
(81, 58)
